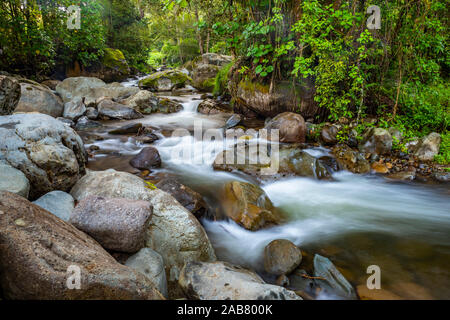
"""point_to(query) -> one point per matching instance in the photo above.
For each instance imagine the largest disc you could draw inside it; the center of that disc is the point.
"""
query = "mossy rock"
(165, 80)
(114, 59)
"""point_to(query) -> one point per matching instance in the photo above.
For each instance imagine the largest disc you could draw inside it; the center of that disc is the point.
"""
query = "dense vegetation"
(398, 73)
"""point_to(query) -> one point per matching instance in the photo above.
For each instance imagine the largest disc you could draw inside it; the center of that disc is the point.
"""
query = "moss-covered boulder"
(166, 80)
(205, 69)
(115, 65)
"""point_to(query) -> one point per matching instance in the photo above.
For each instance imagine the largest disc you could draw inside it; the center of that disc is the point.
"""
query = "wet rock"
(132, 128)
(91, 113)
(13, 180)
(174, 232)
(37, 98)
(48, 152)
(281, 257)
(291, 126)
(150, 264)
(147, 138)
(112, 110)
(165, 80)
(376, 141)
(118, 224)
(303, 284)
(441, 176)
(85, 124)
(249, 206)
(60, 203)
(67, 122)
(428, 147)
(334, 283)
(222, 281)
(379, 168)
(329, 133)
(168, 106)
(147, 159)
(210, 107)
(187, 197)
(233, 121)
(37, 249)
(74, 109)
(351, 160)
(9, 95)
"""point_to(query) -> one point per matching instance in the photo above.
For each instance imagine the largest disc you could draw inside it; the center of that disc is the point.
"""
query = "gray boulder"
(376, 141)
(428, 147)
(37, 98)
(48, 152)
(118, 224)
(74, 109)
(108, 109)
(59, 203)
(222, 281)
(281, 257)
(13, 180)
(150, 264)
(9, 95)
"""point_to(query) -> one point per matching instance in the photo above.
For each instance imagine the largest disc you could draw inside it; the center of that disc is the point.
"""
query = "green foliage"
(444, 155)
(221, 80)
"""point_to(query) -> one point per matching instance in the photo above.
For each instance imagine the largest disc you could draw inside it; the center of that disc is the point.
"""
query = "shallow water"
(354, 220)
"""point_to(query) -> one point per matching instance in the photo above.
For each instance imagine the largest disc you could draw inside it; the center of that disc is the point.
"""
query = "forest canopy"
(398, 72)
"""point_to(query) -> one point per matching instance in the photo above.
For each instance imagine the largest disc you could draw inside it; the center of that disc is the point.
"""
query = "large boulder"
(150, 264)
(281, 257)
(428, 147)
(249, 206)
(51, 83)
(108, 109)
(118, 224)
(210, 107)
(9, 95)
(205, 69)
(48, 152)
(38, 98)
(143, 101)
(291, 126)
(60, 203)
(147, 159)
(165, 80)
(13, 180)
(376, 141)
(222, 281)
(91, 89)
(255, 99)
(40, 255)
(174, 232)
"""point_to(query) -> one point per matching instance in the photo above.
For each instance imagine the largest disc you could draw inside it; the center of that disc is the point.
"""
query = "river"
(355, 220)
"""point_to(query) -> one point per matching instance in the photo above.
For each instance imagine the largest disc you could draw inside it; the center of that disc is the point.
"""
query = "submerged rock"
(60, 203)
(118, 224)
(39, 253)
(9, 95)
(147, 159)
(332, 281)
(249, 206)
(222, 281)
(291, 127)
(48, 152)
(13, 180)
(150, 264)
(281, 257)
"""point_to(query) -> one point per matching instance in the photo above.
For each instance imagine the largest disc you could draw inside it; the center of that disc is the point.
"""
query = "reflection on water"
(356, 221)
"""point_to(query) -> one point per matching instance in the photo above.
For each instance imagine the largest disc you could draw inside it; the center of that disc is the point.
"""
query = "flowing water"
(356, 221)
